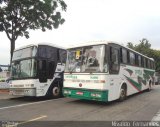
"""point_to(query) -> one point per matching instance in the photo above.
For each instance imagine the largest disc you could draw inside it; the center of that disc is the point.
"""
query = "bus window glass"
(149, 64)
(86, 59)
(51, 69)
(34, 51)
(139, 61)
(24, 69)
(51, 53)
(25, 53)
(136, 60)
(132, 58)
(42, 51)
(124, 55)
(62, 55)
(144, 61)
(152, 65)
(128, 57)
(47, 52)
(114, 60)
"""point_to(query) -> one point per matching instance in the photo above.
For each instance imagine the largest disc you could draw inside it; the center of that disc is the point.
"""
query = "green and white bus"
(37, 70)
(106, 71)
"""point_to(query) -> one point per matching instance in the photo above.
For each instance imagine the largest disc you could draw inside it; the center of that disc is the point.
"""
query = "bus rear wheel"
(123, 92)
(149, 87)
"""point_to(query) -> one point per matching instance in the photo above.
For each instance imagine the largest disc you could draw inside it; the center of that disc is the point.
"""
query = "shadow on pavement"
(31, 99)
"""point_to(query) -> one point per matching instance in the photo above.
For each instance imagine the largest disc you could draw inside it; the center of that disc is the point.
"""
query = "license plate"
(18, 92)
(79, 93)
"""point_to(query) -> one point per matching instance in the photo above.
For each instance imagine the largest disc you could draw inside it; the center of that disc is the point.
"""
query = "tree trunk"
(12, 49)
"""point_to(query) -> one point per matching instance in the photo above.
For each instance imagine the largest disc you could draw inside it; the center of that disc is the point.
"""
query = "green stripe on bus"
(134, 83)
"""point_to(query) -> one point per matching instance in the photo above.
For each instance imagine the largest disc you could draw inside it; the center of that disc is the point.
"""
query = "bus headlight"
(29, 85)
(96, 95)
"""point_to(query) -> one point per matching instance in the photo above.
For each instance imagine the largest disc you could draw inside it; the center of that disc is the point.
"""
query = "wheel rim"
(123, 94)
(55, 91)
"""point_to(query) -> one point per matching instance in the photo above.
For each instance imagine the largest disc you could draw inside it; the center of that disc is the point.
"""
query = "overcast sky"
(92, 20)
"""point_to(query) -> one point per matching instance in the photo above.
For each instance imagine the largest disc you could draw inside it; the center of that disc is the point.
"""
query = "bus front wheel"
(56, 91)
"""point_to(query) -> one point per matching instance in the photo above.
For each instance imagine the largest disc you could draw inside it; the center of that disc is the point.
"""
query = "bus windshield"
(86, 59)
(24, 69)
(25, 53)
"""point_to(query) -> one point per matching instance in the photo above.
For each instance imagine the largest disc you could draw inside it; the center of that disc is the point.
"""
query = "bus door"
(114, 77)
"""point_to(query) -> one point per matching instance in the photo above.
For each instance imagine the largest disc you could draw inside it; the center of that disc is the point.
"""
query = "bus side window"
(139, 61)
(142, 61)
(128, 57)
(149, 64)
(123, 55)
(114, 61)
(146, 63)
(136, 60)
(132, 58)
(42, 51)
(152, 65)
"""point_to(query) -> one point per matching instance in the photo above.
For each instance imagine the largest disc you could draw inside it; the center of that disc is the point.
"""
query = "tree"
(18, 16)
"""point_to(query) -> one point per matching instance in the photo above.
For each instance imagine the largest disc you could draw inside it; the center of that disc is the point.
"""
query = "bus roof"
(105, 43)
(88, 44)
(36, 44)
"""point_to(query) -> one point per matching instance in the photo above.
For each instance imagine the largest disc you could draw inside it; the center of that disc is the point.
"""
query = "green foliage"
(130, 45)
(18, 16)
(144, 47)
(2, 80)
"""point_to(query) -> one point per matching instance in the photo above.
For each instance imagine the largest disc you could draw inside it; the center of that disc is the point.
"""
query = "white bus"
(106, 71)
(37, 70)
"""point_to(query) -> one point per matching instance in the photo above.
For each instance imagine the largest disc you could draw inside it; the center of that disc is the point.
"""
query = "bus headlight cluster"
(96, 95)
(26, 91)
(67, 92)
(29, 85)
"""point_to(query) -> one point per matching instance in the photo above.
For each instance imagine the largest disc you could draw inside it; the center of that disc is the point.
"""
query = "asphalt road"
(139, 107)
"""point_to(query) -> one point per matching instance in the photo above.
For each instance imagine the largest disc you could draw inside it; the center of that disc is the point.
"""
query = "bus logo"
(80, 84)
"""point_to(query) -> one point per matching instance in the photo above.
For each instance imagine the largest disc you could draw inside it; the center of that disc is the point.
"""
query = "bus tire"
(55, 91)
(123, 93)
(149, 87)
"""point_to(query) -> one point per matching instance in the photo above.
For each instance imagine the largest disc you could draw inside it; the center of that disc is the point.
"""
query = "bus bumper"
(86, 94)
(22, 92)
